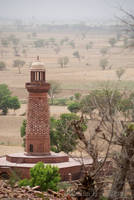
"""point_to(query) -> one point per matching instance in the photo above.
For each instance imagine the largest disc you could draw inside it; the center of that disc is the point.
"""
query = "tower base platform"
(73, 166)
(24, 158)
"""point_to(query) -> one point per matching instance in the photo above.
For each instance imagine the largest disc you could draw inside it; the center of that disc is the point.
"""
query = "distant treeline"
(62, 28)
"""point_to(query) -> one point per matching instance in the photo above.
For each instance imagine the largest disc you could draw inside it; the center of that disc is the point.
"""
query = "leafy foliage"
(39, 43)
(62, 134)
(4, 42)
(14, 103)
(76, 54)
(104, 51)
(112, 41)
(18, 63)
(120, 72)
(2, 66)
(23, 131)
(74, 107)
(6, 100)
(89, 45)
(103, 63)
(54, 89)
(63, 61)
(47, 177)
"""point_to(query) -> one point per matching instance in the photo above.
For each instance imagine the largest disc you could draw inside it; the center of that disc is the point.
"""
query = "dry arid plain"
(79, 75)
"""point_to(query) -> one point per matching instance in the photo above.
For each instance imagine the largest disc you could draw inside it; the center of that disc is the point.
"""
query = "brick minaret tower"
(37, 131)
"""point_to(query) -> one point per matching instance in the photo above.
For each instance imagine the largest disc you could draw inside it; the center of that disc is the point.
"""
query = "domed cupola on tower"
(37, 71)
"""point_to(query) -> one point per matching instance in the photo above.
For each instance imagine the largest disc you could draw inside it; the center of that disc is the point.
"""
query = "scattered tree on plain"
(104, 63)
(112, 42)
(39, 43)
(104, 51)
(120, 72)
(63, 61)
(76, 54)
(72, 44)
(19, 64)
(4, 42)
(54, 89)
(2, 66)
(89, 45)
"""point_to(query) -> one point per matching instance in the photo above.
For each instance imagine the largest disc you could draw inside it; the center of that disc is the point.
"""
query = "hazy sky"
(63, 9)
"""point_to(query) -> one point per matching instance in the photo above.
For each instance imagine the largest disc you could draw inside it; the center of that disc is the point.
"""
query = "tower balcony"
(37, 86)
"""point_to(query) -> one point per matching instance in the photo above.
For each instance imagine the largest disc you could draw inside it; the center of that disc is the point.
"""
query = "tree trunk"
(19, 69)
(120, 177)
(130, 179)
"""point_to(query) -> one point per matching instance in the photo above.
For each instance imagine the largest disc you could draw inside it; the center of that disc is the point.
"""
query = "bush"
(47, 177)
(76, 54)
(62, 102)
(39, 43)
(2, 66)
(24, 182)
(62, 134)
(74, 107)
(104, 51)
(112, 42)
(103, 63)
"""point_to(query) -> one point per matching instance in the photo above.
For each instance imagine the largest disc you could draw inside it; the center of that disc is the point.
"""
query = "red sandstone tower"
(37, 131)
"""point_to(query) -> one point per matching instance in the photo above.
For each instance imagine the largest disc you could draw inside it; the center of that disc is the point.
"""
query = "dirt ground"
(79, 75)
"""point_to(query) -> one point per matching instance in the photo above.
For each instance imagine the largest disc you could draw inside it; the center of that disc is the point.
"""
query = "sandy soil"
(78, 74)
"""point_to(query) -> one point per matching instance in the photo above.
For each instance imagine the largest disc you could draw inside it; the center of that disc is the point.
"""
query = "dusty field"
(78, 74)
(85, 73)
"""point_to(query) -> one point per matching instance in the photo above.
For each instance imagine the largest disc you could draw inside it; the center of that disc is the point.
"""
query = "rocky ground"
(26, 193)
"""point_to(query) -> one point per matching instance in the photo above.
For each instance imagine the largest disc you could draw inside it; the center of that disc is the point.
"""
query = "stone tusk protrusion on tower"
(37, 130)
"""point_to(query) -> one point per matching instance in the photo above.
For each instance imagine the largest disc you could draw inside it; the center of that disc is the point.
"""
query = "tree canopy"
(6, 100)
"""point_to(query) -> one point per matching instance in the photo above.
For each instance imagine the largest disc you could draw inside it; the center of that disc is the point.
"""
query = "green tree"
(23, 131)
(54, 89)
(62, 134)
(6, 100)
(112, 42)
(77, 96)
(89, 45)
(14, 103)
(23, 128)
(15, 41)
(86, 105)
(74, 107)
(63, 61)
(19, 64)
(72, 44)
(103, 63)
(4, 42)
(76, 54)
(125, 42)
(39, 43)
(57, 50)
(120, 72)
(24, 52)
(47, 177)
(104, 51)
(2, 66)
